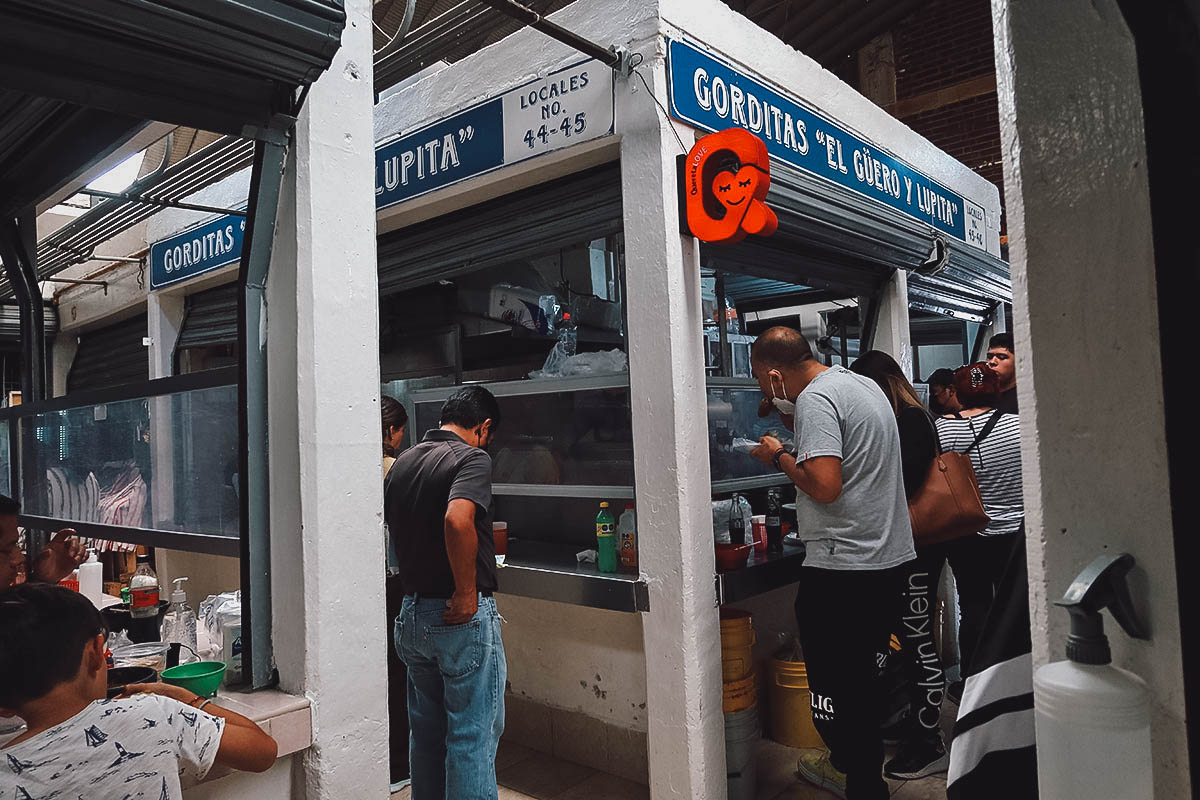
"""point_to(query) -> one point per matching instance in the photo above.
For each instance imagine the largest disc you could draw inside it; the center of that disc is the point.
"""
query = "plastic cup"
(500, 538)
(758, 528)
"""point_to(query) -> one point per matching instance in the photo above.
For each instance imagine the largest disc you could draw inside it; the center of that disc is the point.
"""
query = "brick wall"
(943, 44)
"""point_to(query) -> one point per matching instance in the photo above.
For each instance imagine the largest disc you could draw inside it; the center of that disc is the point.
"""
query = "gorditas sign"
(724, 182)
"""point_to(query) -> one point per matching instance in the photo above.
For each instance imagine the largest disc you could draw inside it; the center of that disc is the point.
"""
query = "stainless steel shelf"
(530, 387)
(562, 490)
(745, 484)
(550, 571)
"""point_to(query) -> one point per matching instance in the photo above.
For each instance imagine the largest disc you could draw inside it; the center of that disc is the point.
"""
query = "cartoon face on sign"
(727, 175)
(734, 189)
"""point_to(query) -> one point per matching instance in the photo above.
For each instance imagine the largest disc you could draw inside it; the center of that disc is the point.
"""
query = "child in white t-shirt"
(78, 744)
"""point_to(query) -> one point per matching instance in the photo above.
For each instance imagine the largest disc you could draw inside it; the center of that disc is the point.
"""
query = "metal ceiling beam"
(813, 16)
(147, 136)
(435, 37)
(45, 143)
(848, 34)
(60, 249)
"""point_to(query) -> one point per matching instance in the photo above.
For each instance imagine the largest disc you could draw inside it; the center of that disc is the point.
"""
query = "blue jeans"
(456, 680)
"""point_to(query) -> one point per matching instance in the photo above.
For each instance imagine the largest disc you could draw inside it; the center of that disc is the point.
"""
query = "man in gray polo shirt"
(853, 518)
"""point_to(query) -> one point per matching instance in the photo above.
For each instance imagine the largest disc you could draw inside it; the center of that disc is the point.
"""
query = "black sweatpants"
(845, 618)
(978, 563)
(918, 622)
(397, 688)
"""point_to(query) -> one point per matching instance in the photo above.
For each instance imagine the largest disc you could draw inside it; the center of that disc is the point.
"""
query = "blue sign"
(202, 248)
(566, 107)
(448, 151)
(714, 96)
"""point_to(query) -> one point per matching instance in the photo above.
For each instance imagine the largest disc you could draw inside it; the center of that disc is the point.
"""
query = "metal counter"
(762, 573)
(550, 571)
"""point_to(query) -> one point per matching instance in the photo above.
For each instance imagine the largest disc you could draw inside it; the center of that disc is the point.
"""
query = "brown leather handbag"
(948, 505)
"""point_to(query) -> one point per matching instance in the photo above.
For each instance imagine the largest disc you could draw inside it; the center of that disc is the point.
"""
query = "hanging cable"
(637, 61)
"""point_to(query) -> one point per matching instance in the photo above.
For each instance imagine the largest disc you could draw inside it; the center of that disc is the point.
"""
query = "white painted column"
(1089, 377)
(326, 492)
(670, 433)
(164, 320)
(892, 332)
(62, 354)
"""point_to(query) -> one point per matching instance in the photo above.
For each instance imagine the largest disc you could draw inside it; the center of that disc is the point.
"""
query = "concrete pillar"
(164, 319)
(1089, 375)
(670, 432)
(62, 355)
(892, 332)
(326, 491)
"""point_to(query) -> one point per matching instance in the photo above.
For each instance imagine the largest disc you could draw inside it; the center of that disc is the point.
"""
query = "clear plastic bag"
(560, 365)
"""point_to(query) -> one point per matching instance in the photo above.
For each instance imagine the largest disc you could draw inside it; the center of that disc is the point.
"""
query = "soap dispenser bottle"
(179, 623)
(1093, 719)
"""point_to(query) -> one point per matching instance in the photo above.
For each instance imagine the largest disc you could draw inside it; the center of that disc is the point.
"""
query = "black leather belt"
(431, 596)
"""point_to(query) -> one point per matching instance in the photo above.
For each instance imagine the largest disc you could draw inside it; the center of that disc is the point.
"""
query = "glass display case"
(166, 462)
(564, 437)
(733, 417)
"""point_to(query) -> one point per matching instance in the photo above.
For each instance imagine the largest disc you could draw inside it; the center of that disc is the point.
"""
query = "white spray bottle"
(1093, 719)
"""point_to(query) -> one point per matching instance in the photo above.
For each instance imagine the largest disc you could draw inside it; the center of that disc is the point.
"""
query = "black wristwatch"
(791, 451)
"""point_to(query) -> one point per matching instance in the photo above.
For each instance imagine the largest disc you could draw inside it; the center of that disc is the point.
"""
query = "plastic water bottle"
(606, 544)
(143, 590)
(91, 578)
(179, 623)
(1093, 719)
(627, 537)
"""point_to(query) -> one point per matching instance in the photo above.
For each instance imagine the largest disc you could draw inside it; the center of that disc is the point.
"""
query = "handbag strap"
(937, 437)
(991, 423)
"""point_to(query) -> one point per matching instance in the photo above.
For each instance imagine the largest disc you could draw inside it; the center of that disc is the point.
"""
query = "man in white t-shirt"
(53, 675)
(853, 518)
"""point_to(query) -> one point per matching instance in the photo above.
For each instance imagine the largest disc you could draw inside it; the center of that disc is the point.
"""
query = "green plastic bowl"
(201, 677)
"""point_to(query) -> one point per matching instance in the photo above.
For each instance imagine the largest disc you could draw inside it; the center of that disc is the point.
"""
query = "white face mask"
(782, 404)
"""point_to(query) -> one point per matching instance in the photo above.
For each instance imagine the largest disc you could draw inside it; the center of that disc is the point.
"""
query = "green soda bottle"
(606, 540)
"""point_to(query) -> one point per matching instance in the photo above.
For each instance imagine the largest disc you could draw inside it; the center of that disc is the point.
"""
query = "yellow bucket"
(737, 640)
(738, 695)
(791, 710)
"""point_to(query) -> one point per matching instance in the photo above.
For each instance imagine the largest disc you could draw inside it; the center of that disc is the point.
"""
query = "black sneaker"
(918, 758)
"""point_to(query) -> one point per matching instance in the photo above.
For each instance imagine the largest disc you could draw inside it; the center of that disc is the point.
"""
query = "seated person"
(63, 554)
(78, 744)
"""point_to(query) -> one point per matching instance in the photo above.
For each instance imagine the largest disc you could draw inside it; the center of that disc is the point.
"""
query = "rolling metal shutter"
(110, 356)
(219, 65)
(831, 238)
(10, 323)
(571, 210)
(210, 318)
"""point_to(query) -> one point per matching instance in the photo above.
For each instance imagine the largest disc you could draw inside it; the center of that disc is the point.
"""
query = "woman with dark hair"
(922, 749)
(394, 421)
(991, 438)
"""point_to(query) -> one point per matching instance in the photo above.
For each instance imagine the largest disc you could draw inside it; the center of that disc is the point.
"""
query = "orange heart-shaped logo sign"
(736, 190)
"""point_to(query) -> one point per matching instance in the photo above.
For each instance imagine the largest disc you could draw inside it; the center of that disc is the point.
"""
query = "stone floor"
(526, 774)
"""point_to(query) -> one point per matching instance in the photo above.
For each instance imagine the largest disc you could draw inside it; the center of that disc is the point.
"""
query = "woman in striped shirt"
(979, 560)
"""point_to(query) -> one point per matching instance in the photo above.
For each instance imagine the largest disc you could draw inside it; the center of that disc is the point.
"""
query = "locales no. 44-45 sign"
(724, 182)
